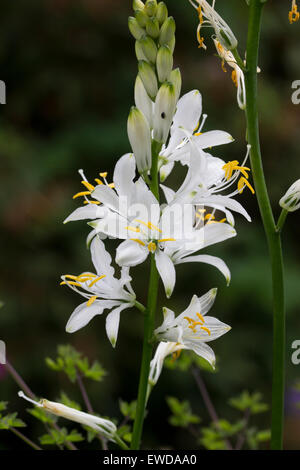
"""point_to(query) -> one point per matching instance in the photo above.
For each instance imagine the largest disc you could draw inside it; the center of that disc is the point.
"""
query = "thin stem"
(272, 235)
(281, 220)
(149, 321)
(25, 439)
(207, 400)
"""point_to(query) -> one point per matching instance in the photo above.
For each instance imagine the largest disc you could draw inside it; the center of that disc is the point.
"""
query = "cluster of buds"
(157, 86)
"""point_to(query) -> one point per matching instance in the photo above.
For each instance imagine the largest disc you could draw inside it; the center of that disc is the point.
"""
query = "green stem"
(149, 321)
(272, 235)
(25, 439)
(121, 443)
(281, 220)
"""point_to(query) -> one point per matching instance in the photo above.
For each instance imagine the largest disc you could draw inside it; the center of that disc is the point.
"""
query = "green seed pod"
(139, 51)
(141, 18)
(164, 63)
(148, 78)
(161, 12)
(149, 48)
(135, 29)
(151, 7)
(175, 79)
(152, 27)
(167, 31)
(137, 5)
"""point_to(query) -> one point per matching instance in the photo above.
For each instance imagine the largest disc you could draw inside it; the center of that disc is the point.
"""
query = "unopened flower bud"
(164, 63)
(161, 12)
(135, 29)
(164, 109)
(291, 200)
(139, 51)
(142, 100)
(137, 5)
(148, 77)
(151, 7)
(149, 48)
(140, 139)
(141, 18)
(167, 31)
(171, 44)
(152, 27)
(175, 79)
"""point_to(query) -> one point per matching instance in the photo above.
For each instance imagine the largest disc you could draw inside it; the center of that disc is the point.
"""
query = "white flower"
(104, 426)
(209, 17)
(291, 200)
(102, 290)
(192, 329)
(186, 123)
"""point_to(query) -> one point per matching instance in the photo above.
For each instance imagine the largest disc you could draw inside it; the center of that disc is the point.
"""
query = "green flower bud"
(167, 31)
(171, 44)
(149, 48)
(142, 100)
(148, 77)
(139, 51)
(137, 5)
(175, 79)
(140, 139)
(161, 12)
(135, 29)
(141, 18)
(164, 63)
(164, 109)
(152, 27)
(151, 7)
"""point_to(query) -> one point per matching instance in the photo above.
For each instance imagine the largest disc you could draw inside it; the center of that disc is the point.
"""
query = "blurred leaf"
(182, 415)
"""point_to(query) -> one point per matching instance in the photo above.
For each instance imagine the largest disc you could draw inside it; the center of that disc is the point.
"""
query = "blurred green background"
(69, 67)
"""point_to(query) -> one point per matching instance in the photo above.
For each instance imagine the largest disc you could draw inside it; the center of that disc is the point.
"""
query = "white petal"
(83, 314)
(166, 170)
(169, 193)
(101, 258)
(223, 201)
(208, 259)
(166, 271)
(112, 323)
(207, 301)
(107, 196)
(202, 350)
(90, 211)
(131, 253)
(124, 174)
(212, 139)
(216, 328)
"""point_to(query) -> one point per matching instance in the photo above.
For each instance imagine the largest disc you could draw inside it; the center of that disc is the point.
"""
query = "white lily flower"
(191, 330)
(186, 123)
(291, 200)
(104, 426)
(102, 290)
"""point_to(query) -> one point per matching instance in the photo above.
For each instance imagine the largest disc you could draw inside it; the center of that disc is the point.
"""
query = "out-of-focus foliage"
(69, 67)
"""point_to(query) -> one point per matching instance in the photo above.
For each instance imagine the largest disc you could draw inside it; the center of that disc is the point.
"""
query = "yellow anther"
(244, 182)
(232, 166)
(148, 225)
(199, 9)
(188, 319)
(205, 329)
(71, 276)
(197, 127)
(200, 317)
(234, 77)
(294, 14)
(209, 216)
(111, 185)
(96, 280)
(151, 247)
(138, 241)
(98, 181)
(88, 185)
(166, 240)
(82, 193)
(133, 229)
(198, 133)
(223, 66)
(70, 283)
(91, 202)
(176, 355)
(86, 277)
(91, 300)
(103, 175)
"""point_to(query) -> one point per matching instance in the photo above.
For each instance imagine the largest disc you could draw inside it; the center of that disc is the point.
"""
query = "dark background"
(69, 67)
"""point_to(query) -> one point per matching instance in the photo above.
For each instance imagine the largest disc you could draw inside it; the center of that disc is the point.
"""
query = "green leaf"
(60, 437)
(128, 409)
(11, 421)
(247, 401)
(42, 415)
(3, 405)
(182, 415)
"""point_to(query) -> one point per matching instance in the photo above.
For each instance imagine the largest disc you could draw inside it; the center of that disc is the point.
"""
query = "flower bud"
(171, 44)
(141, 18)
(149, 48)
(152, 27)
(161, 12)
(139, 51)
(135, 29)
(151, 7)
(164, 63)
(142, 100)
(164, 109)
(291, 200)
(167, 30)
(137, 5)
(175, 79)
(140, 139)
(148, 77)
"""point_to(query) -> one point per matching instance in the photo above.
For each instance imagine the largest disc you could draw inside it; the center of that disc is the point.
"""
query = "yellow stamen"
(198, 133)
(152, 247)
(112, 185)
(91, 202)
(209, 216)
(188, 319)
(200, 317)
(103, 175)
(98, 181)
(71, 276)
(205, 329)
(88, 186)
(148, 225)
(234, 77)
(96, 280)
(166, 240)
(70, 283)
(176, 355)
(138, 241)
(232, 166)
(133, 229)
(244, 182)
(294, 14)
(82, 193)
(91, 300)
(223, 66)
